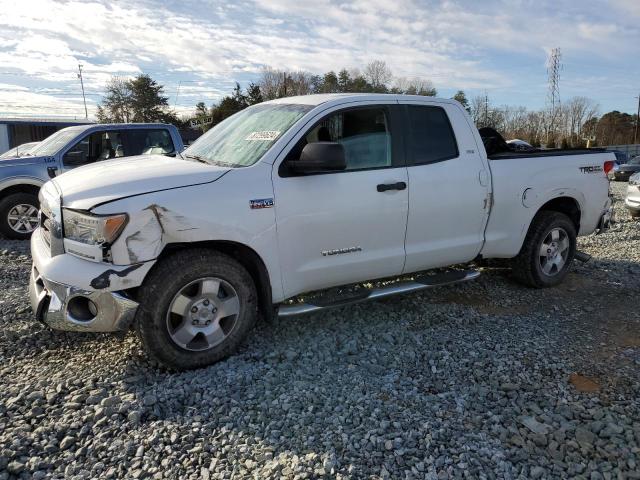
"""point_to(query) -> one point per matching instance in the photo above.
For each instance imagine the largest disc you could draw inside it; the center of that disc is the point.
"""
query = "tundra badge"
(340, 251)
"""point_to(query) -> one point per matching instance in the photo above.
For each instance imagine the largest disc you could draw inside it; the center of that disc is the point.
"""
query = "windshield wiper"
(196, 157)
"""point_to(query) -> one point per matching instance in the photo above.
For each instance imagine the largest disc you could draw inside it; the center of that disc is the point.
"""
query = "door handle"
(383, 187)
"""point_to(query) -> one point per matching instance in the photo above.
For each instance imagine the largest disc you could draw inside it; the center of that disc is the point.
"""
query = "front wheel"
(547, 252)
(19, 215)
(196, 308)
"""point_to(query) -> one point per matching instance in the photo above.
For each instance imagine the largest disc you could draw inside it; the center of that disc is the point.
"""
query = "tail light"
(608, 166)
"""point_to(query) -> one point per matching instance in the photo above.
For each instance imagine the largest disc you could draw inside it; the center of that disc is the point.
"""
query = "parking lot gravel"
(487, 379)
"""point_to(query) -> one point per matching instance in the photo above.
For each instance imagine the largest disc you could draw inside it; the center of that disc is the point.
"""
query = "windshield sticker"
(266, 135)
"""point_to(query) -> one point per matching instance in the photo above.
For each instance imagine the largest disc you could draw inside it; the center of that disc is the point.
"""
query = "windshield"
(53, 143)
(242, 139)
(635, 160)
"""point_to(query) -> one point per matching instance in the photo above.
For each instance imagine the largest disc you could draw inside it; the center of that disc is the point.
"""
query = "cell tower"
(553, 96)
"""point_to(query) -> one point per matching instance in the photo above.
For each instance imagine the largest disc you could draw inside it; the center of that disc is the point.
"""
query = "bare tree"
(578, 111)
(117, 103)
(414, 86)
(271, 82)
(378, 74)
(283, 83)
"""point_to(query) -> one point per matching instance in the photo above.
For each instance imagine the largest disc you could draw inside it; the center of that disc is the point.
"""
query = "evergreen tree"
(462, 98)
(254, 95)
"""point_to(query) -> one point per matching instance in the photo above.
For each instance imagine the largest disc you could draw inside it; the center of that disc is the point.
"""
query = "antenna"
(86, 114)
(553, 95)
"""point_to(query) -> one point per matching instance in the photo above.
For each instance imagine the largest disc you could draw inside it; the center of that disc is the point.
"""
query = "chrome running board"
(418, 283)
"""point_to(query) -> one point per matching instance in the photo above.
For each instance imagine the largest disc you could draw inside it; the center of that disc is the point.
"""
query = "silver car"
(632, 202)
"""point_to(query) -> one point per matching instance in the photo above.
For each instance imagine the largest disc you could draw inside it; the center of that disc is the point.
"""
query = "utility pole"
(635, 134)
(175, 102)
(86, 114)
(486, 109)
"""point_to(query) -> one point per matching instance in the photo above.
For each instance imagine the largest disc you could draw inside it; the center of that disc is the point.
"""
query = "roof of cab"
(318, 99)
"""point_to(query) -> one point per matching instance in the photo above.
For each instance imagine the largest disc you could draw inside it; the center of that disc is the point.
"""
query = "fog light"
(82, 309)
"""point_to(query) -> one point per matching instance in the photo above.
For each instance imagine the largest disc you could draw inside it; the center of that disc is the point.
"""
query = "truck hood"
(21, 161)
(90, 185)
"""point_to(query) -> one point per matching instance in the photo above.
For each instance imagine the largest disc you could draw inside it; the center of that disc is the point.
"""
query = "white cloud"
(457, 44)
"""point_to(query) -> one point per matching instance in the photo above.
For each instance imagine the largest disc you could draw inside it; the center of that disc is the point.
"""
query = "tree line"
(576, 123)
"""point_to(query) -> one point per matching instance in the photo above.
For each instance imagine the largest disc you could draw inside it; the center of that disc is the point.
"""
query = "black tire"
(166, 281)
(7, 204)
(527, 266)
(634, 214)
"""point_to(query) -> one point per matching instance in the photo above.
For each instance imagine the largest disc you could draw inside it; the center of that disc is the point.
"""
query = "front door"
(96, 146)
(342, 227)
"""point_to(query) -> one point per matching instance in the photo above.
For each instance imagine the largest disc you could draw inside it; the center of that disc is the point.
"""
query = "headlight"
(634, 179)
(92, 229)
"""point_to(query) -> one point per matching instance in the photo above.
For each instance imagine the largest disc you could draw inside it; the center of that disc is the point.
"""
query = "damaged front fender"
(147, 233)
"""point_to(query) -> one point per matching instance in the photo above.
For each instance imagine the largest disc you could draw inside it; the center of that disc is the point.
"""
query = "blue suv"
(21, 178)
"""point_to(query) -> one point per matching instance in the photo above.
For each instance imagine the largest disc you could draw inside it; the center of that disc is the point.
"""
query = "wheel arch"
(246, 256)
(19, 186)
(563, 204)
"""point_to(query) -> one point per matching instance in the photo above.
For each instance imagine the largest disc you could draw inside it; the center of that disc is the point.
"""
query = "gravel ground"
(482, 380)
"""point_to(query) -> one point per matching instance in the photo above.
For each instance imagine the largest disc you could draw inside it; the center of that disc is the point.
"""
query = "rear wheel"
(19, 215)
(547, 252)
(196, 308)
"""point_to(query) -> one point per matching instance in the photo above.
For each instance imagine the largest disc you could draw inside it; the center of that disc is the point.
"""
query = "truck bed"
(555, 152)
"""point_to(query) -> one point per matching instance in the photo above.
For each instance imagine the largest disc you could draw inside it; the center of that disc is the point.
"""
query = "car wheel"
(196, 307)
(634, 214)
(19, 215)
(547, 252)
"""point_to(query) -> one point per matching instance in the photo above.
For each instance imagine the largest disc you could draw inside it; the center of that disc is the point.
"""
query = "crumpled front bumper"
(68, 307)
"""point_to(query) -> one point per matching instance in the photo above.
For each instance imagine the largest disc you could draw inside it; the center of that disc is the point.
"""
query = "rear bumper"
(66, 307)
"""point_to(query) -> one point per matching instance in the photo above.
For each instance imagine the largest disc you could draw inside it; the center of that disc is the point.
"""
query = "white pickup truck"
(298, 195)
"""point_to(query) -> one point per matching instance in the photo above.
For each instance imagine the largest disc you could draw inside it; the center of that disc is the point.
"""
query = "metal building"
(16, 131)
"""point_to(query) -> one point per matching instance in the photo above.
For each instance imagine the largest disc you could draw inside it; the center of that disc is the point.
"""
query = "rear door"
(449, 184)
(342, 227)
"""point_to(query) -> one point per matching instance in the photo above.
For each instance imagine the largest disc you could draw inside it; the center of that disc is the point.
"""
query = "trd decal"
(261, 203)
(591, 169)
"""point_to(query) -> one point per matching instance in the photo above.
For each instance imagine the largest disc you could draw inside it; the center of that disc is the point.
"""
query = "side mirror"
(75, 158)
(320, 157)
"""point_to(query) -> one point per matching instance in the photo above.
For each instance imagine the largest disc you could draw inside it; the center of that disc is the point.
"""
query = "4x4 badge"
(261, 203)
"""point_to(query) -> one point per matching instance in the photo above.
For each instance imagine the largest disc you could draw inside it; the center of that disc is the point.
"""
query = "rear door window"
(430, 136)
(149, 142)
